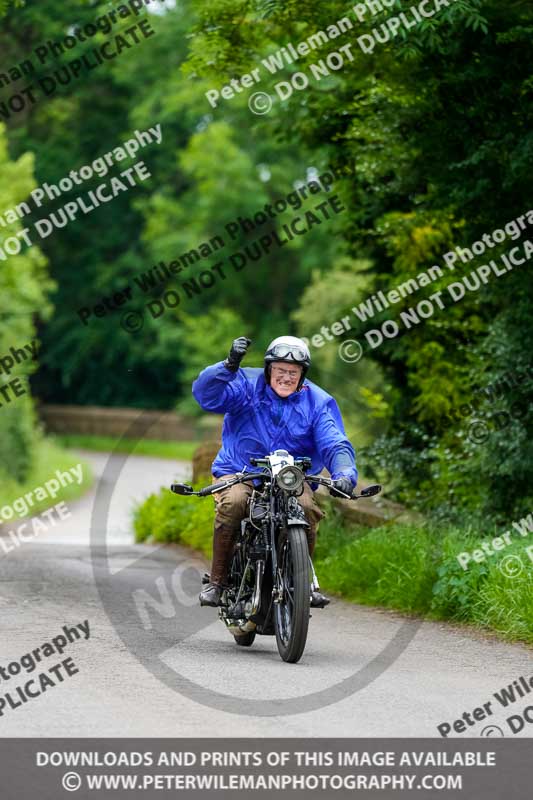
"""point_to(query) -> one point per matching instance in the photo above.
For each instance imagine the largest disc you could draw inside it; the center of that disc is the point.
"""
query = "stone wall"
(115, 422)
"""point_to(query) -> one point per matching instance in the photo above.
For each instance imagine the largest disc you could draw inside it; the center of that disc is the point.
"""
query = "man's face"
(284, 377)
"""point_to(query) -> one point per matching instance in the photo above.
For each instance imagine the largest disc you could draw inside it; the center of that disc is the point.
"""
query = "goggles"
(285, 351)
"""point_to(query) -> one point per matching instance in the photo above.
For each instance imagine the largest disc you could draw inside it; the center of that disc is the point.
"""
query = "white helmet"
(289, 349)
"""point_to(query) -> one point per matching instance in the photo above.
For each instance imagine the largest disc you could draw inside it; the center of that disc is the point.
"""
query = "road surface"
(165, 667)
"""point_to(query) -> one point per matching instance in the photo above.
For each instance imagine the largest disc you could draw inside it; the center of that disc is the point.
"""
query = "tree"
(24, 286)
(434, 132)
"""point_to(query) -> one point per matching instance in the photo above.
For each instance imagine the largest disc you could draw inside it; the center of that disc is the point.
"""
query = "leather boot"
(224, 538)
(318, 600)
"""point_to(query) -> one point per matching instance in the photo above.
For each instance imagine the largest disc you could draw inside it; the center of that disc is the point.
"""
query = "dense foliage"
(433, 134)
(24, 284)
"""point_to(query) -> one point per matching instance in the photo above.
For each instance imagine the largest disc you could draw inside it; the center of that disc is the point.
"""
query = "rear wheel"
(236, 573)
(245, 639)
(291, 613)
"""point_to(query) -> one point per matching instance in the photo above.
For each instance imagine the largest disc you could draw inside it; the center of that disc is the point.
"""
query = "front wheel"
(291, 616)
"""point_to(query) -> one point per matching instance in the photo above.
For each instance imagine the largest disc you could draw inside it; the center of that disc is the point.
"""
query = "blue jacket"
(257, 421)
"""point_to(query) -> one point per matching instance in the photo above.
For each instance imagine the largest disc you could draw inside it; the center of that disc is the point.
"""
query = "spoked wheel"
(236, 571)
(291, 616)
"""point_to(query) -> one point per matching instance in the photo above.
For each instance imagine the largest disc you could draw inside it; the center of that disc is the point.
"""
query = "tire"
(246, 640)
(291, 617)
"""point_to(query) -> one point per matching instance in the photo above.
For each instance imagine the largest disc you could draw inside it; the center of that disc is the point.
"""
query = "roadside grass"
(181, 451)
(407, 567)
(168, 517)
(49, 457)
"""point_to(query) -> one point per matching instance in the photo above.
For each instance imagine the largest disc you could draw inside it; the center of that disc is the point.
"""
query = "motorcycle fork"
(314, 579)
(275, 518)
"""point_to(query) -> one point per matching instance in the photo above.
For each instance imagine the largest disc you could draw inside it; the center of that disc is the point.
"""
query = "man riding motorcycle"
(265, 410)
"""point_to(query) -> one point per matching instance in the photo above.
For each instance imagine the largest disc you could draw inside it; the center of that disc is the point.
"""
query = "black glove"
(237, 353)
(343, 485)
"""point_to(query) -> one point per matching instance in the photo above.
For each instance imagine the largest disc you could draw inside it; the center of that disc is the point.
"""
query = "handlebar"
(185, 489)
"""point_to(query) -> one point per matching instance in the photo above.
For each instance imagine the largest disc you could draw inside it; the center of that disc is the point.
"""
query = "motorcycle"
(271, 575)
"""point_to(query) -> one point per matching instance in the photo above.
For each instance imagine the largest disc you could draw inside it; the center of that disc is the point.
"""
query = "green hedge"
(399, 566)
(168, 517)
(18, 433)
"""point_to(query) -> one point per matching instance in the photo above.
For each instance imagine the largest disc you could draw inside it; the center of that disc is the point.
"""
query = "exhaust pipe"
(254, 605)
(256, 599)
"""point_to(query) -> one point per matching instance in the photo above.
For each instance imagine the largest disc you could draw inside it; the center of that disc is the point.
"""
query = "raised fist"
(237, 353)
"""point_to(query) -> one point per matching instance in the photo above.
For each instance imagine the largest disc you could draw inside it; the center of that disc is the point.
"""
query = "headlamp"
(290, 478)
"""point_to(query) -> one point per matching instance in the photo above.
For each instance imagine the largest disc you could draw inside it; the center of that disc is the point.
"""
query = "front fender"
(291, 521)
(293, 514)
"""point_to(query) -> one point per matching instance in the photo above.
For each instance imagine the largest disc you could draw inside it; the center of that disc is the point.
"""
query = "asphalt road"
(156, 664)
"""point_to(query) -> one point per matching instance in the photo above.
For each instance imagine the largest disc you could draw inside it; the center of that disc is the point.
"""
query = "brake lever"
(370, 491)
(337, 493)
